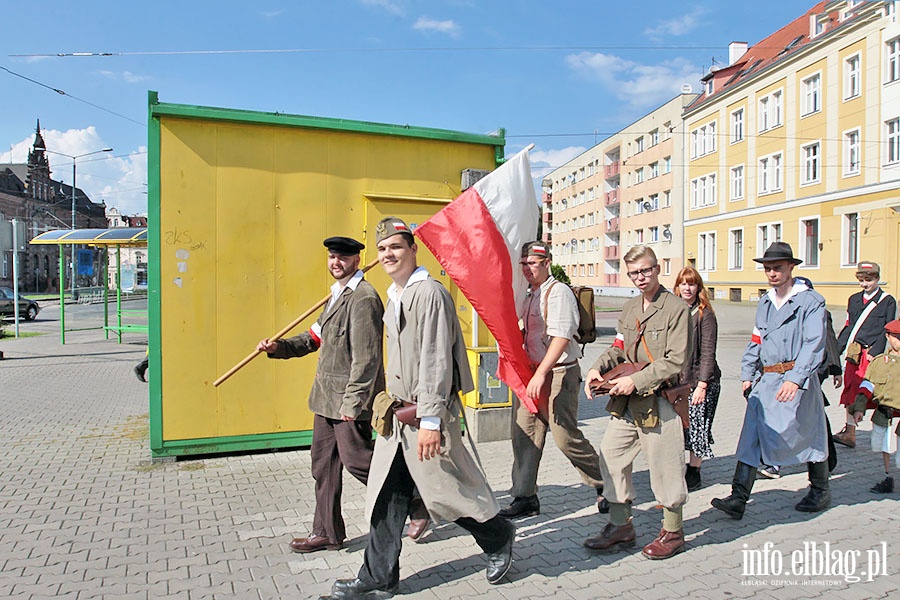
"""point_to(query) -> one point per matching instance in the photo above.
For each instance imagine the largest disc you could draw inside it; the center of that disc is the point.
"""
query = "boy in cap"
(550, 322)
(784, 422)
(882, 387)
(426, 366)
(349, 374)
(862, 337)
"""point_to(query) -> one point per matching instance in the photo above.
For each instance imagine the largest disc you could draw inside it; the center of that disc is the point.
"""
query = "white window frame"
(804, 250)
(853, 76)
(667, 266)
(735, 257)
(892, 139)
(703, 140)
(653, 233)
(771, 111)
(639, 175)
(667, 165)
(771, 173)
(654, 170)
(812, 94)
(736, 182)
(737, 125)
(852, 149)
(638, 145)
(703, 191)
(892, 60)
(667, 199)
(813, 162)
(849, 257)
(706, 251)
(639, 236)
(654, 137)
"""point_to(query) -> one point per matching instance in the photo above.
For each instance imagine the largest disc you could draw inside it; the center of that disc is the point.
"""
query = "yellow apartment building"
(627, 190)
(798, 139)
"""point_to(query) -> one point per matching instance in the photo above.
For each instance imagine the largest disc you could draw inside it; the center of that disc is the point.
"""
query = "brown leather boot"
(667, 544)
(612, 538)
(846, 437)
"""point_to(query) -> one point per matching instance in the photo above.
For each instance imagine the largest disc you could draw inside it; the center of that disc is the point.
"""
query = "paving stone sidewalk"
(85, 513)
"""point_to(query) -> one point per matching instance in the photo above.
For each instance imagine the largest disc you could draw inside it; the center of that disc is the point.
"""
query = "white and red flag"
(478, 239)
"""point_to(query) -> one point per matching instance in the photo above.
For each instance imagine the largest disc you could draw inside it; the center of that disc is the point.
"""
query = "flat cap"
(389, 226)
(344, 246)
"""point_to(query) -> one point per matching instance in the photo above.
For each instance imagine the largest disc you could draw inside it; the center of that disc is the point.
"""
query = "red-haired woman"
(701, 371)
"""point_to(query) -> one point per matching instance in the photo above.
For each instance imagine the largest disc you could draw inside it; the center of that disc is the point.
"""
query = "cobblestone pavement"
(85, 513)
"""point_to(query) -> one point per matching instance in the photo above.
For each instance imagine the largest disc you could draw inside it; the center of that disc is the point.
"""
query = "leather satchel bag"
(679, 396)
(406, 414)
(624, 369)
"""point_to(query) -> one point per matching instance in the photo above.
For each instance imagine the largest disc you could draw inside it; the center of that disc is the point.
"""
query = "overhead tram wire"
(64, 93)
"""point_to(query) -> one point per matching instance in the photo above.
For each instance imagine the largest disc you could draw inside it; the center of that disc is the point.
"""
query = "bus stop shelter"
(135, 237)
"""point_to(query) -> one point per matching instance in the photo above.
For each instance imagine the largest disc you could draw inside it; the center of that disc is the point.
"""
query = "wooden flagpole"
(282, 333)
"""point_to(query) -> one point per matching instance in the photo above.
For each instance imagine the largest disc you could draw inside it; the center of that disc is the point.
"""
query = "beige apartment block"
(624, 191)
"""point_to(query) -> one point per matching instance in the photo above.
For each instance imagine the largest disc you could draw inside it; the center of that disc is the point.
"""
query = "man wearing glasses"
(653, 328)
(550, 322)
(868, 311)
(784, 422)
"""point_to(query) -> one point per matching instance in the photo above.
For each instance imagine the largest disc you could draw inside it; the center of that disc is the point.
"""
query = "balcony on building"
(612, 197)
(611, 279)
(612, 224)
(611, 170)
(611, 253)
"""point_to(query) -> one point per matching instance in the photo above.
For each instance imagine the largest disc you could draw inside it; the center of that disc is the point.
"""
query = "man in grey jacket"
(349, 374)
(426, 365)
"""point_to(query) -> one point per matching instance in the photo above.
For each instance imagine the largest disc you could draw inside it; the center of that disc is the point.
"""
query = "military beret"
(389, 226)
(344, 246)
(893, 327)
(867, 268)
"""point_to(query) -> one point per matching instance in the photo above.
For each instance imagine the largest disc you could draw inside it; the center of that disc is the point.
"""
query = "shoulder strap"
(870, 306)
(546, 303)
(642, 340)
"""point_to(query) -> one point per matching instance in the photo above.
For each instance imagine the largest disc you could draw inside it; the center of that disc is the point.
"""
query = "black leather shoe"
(500, 561)
(354, 589)
(523, 506)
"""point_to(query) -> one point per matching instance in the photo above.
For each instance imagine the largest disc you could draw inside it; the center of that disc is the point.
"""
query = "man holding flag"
(550, 321)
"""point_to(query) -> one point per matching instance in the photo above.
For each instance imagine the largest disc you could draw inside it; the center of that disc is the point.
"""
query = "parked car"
(28, 308)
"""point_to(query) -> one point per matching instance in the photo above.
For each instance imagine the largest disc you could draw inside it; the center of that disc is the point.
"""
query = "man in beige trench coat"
(426, 364)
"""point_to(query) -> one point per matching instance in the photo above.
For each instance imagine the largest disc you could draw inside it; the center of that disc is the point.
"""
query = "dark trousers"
(337, 444)
(381, 562)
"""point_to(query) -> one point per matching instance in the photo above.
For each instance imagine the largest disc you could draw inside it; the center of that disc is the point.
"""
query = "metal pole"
(15, 249)
(73, 227)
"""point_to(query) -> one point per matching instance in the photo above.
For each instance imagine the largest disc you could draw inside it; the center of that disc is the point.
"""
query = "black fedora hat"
(778, 251)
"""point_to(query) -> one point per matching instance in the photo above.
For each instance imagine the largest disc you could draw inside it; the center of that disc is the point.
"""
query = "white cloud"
(448, 27)
(543, 162)
(269, 14)
(126, 76)
(389, 5)
(681, 25)
(118, 178)
(637, 84)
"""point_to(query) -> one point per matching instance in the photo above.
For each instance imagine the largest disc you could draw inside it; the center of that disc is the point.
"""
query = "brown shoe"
(313, 543)
(667, 544)
(417, 528)
(846, 437)
(612, 538)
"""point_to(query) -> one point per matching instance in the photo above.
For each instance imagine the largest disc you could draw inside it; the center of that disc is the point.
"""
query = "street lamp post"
(74, 159)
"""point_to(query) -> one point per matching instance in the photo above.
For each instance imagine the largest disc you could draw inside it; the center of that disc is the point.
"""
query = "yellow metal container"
(239, 205)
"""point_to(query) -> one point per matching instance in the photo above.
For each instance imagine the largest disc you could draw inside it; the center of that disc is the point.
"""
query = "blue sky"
(561, 74)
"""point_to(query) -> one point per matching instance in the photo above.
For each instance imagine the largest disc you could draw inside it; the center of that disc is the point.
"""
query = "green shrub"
(559, 273)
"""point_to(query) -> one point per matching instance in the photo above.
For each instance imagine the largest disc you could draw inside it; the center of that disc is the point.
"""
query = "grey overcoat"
(785, 433)
(427, 363)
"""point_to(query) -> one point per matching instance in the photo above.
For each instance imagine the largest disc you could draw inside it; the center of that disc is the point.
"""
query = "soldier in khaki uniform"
(655, 327)
(882, 386)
